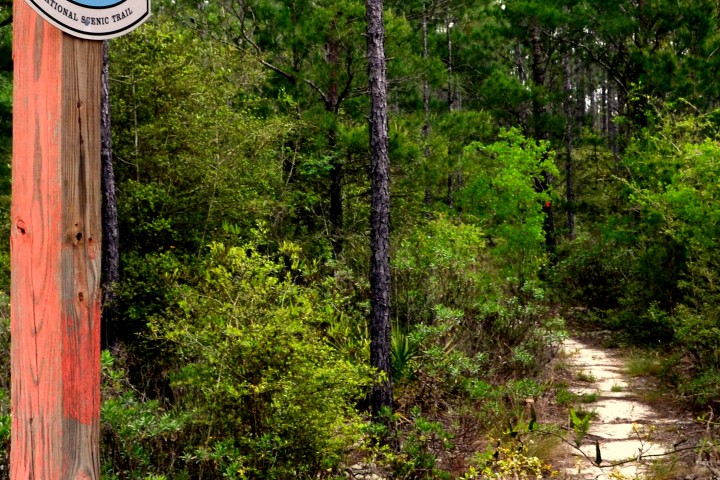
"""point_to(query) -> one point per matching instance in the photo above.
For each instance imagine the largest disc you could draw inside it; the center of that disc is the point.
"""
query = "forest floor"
(635, 430)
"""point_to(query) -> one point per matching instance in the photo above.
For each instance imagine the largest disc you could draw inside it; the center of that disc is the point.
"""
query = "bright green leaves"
(686, 207)
(257, 373)
(191, 151)
(502, 196)
(439, 264)
(580, 423)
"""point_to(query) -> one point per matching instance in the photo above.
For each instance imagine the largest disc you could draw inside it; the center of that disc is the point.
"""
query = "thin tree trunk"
(451, 90)
(582, 83)
(569, 193)
(382, 392)
(612, 128)
(426, 103)
(450, 104)
(336, 170)
(593, 103)
(522, 77)
(604, 108)
(111, 231)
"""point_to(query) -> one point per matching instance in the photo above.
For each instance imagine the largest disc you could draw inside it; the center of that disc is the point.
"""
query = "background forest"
(551, 163)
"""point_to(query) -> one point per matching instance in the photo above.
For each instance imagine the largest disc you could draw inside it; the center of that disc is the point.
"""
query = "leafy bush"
(509, 462)
(502, 197)
(258, 381)
(139, 438)
(418, 459)
(592, 272)
(440, 263)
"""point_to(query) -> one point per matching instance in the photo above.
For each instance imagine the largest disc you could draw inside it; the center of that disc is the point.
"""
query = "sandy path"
(625, 428)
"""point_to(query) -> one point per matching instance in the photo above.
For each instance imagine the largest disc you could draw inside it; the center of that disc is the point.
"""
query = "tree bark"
(593, 103)
(111, 231)
(522, 77)
(332, 48)
(604, 109)
(582, 82)
(451, 81)
(569, 192)
(426, 103)
(612, 128)
(382, 393)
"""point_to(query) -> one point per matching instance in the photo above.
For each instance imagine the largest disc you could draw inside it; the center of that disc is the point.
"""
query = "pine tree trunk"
(522, 77)
(593, 104)
(426, 103)
(450, 104)
(336, 170)
(569, 193)
(582, 83)
(382, 393)
(451, 90)
(111, 232)
(612, 128)
(604, 109)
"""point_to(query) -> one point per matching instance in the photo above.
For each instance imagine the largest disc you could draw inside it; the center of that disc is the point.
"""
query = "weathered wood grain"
(55, 252)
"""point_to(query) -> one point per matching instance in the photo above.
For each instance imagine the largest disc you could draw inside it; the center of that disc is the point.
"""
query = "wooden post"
(55, 243)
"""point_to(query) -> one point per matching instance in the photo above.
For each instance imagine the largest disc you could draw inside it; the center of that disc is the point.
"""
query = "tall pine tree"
(382, 394)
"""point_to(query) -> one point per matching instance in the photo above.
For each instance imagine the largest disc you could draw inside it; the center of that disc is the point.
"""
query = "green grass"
(564, 397)
(581, 412)
(584, 376)
(588, 398)
(616, 388)
(642, 365)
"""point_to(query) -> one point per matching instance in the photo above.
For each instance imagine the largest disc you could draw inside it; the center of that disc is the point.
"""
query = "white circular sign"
(93, 19)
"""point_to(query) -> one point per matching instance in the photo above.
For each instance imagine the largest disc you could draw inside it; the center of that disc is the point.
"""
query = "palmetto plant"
(402, 350)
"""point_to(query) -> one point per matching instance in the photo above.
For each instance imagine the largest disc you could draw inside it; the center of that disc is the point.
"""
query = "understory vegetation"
(551, 163)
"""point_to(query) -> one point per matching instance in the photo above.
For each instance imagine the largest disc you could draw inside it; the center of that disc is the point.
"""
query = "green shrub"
(423, 442)
(502, 197)
(440, 263)
(258, 381)
(140, 438)
(703, 389)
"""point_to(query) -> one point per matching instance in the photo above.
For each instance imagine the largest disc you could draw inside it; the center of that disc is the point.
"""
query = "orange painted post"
(55, 243)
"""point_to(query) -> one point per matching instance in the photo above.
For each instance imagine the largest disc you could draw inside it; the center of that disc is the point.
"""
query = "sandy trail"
(625, 428)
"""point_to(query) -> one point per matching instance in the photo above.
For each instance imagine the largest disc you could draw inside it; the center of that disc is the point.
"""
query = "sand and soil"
(639, 432)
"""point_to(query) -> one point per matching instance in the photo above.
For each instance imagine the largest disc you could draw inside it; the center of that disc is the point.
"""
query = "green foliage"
(139, 437)
(233, 122)
(193, 153)
(5, 419)
(418, 456)
(580, 423)
(442, 290)
(512, 461)
(647, 268)
(439, 264)
(501, 196)
(247, 338)
(402, 350)
(564, 397)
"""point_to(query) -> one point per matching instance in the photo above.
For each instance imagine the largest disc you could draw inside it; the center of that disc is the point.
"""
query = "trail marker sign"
(93, 19)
